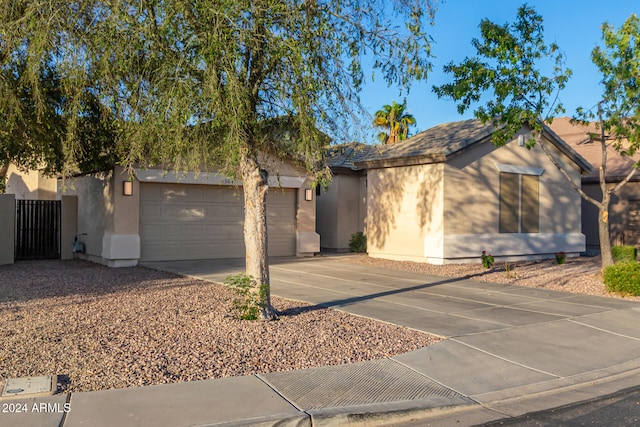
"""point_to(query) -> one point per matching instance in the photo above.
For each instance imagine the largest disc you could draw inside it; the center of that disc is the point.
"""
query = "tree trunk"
(603, 231)
(254, 181)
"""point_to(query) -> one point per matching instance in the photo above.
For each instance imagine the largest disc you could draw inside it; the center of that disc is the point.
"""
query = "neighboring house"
(624, 209)
(31, 184)
(342, 208)
(171, 217)
(446, 194)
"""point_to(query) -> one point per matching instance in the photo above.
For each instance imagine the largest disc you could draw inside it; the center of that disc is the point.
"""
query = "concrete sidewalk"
(510, 350)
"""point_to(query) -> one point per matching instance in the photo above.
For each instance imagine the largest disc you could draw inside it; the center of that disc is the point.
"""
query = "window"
(519, 203)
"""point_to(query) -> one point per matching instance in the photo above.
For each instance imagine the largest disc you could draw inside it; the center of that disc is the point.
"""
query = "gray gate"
(38, 229)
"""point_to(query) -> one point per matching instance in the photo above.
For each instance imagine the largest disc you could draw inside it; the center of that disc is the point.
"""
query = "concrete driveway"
(503, 341)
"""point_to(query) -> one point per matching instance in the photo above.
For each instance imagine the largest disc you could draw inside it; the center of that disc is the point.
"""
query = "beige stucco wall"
(108, 221)
(342, 211)
(30, 184)
(405, 207)
(449, 212)
(471, 206)
(7, 228)
(327, 214)
(68, 231)
(476, 174)
(93, 209)
(307, 239)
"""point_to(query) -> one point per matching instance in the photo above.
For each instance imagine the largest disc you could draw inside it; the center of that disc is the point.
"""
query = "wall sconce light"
(308, 194)
(127, 188)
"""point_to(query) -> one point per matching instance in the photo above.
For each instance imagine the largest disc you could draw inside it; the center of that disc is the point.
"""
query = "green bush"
(624, 253)
(623, 277)
(249, 302)
(358, 242)
(487, 260)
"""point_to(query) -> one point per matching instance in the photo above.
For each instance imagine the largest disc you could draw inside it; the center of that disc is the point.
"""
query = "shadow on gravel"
(29, 280)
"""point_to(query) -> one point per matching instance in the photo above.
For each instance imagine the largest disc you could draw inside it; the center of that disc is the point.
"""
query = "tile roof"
(345, 155)
(578, 136)
(436, 143)
(440, 142)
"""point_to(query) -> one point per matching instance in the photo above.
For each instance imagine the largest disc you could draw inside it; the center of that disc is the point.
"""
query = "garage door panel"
(150, 210)
(180, 222)
(219, 210)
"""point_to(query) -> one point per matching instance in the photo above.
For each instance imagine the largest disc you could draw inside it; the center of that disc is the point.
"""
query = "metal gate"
(38, 229)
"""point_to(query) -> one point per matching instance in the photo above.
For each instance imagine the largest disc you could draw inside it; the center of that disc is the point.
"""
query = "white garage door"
(179, 222)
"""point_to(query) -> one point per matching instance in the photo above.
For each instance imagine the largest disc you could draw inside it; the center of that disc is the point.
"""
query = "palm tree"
(395, 121)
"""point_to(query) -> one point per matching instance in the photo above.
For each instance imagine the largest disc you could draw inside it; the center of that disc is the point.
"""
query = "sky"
(575, 25)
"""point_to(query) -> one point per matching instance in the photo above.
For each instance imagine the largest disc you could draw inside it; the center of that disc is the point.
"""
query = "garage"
(189, 221)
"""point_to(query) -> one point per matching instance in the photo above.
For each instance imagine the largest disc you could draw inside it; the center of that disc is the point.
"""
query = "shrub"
(249, 302)
(560, 257)
(623, 277)
(487, 260)
(624, 253)
(358, 242)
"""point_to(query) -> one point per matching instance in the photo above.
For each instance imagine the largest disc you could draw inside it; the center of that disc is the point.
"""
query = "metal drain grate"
(357, 384)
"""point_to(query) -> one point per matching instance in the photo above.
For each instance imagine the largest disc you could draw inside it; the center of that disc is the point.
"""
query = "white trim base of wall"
(121, 250)
(467, 248)
(460, 246)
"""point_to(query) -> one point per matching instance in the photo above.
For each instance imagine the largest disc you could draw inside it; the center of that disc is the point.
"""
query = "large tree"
(618, 113)
(395, 122)
(225, 85)
(508, 64)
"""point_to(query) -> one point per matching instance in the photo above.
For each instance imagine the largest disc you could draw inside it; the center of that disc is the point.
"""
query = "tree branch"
(624, 181)
(566, 175)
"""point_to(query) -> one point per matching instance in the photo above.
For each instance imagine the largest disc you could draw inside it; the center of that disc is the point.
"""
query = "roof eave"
(566, 149)
(402, 161)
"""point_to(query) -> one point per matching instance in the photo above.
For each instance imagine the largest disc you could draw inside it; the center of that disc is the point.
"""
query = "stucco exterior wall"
(307, 239)
(94, 208)
(108, 221)
(471, 205)
(405, 207)
(327, 215)
(341, 211)
(7, 228)
(31, 184)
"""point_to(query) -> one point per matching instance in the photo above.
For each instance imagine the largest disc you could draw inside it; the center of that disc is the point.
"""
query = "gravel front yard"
(100, 328)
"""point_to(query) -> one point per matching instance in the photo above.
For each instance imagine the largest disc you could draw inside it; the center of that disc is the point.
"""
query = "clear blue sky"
(573, 24)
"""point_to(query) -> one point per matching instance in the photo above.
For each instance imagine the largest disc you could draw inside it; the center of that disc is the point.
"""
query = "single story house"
(447, 194)
(624, 209)
(159, 216)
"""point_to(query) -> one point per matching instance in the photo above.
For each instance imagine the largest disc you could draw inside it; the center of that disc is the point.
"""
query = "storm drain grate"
(357, 384)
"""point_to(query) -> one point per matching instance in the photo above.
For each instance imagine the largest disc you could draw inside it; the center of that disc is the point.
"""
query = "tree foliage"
(46, 121)
(619, 63)
(395, 121)
(509, 64)
(224, 85)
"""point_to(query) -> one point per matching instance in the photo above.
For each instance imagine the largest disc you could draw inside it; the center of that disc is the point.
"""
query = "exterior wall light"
(308, 194)
(127, 188)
